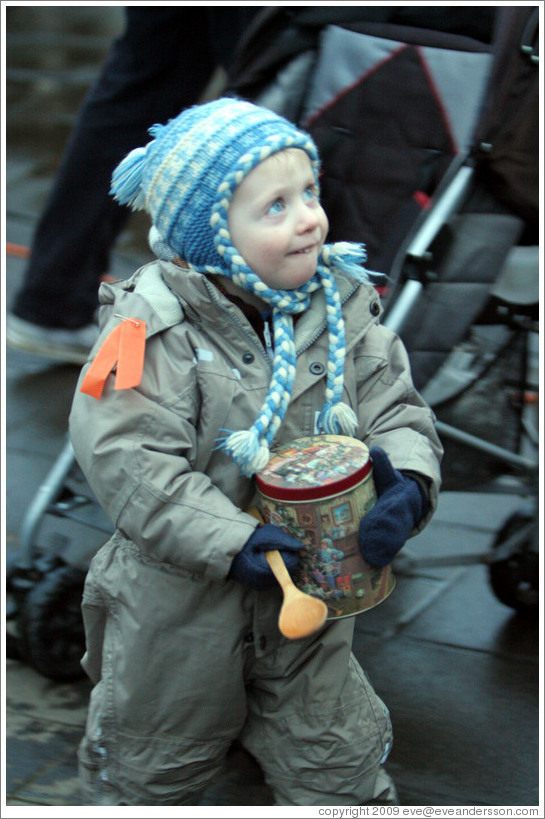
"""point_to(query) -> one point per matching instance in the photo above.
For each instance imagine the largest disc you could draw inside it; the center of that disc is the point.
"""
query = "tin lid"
(314, 467)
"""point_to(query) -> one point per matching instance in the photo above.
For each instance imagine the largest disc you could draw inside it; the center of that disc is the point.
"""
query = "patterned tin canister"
(318, 489)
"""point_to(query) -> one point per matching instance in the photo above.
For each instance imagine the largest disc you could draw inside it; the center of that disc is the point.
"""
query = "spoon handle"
(274, 557)
(278, 568)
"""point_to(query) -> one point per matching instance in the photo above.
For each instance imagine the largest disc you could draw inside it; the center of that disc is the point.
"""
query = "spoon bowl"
(301, 614)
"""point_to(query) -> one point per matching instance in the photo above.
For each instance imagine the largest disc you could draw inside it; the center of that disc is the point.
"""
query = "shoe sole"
(45, 350)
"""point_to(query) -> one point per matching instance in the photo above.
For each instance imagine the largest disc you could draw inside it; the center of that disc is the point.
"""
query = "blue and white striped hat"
(185, 179)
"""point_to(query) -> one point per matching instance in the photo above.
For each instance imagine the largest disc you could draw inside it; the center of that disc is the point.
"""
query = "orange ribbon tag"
(125, 347)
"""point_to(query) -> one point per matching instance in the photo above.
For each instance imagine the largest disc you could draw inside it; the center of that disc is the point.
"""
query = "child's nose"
(307, 218)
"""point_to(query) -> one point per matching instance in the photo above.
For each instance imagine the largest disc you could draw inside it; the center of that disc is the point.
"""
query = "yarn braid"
(251, 448)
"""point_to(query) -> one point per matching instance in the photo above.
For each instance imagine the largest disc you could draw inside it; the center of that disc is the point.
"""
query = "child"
(180, 606)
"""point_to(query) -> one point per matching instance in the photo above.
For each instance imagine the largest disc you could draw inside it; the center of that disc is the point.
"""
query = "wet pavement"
(458, 669)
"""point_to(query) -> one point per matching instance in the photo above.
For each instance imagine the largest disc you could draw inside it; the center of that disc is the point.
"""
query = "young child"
(247, 332)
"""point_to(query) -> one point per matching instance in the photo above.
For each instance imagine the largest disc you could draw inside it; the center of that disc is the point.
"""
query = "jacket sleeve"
(137, 449)
(392, 414)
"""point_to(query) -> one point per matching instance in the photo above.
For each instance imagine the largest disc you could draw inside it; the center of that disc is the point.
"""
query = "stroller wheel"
(51, 625)
(18, 583)
(515, 578)
(14, 650)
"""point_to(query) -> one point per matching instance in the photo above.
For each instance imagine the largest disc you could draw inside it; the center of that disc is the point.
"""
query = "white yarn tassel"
(338, 419)
(247, 450)
(348, 257)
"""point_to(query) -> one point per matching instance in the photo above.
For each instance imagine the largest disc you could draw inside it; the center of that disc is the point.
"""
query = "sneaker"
(58, 343)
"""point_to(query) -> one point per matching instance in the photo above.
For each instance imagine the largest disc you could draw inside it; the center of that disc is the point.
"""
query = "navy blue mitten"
(250, 565)
(401, 505)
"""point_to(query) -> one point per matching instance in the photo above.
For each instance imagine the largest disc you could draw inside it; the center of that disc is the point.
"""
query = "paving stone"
(466, 723)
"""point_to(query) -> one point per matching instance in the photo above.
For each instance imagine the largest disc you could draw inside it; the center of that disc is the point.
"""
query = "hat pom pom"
(156, 130)
(247, 450)
(127, 180)
(337, 419)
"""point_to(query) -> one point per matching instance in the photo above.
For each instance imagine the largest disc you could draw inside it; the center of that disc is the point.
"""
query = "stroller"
(426, 122)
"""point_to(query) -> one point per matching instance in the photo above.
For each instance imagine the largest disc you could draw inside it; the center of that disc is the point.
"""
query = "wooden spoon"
(301, 614)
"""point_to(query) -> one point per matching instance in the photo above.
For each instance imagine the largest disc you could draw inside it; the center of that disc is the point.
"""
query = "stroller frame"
(513, 559)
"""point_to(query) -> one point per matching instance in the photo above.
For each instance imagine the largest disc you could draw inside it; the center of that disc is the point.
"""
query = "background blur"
(458, 669)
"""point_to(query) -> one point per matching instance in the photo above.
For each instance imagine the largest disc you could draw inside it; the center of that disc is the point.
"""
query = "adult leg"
(158, 66)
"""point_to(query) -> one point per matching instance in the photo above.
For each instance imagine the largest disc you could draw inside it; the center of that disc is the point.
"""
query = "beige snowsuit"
(184, 659)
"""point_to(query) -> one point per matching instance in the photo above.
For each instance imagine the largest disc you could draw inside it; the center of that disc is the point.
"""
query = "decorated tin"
(318, 489)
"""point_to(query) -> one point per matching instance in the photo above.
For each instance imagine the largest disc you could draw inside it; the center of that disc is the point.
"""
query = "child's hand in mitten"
(250, 565)
(401, 505)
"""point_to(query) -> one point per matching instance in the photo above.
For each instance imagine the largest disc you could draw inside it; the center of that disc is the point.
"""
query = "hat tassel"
(348, 257)
(337, 419)
(248, 450)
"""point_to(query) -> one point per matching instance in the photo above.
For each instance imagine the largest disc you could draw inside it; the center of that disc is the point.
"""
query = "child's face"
(276, 221)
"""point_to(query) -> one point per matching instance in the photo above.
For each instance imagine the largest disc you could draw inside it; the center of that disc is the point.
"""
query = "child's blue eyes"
(309, 195)
(276, 207)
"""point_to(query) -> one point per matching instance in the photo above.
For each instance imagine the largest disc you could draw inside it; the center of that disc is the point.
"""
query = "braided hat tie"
(185, 178)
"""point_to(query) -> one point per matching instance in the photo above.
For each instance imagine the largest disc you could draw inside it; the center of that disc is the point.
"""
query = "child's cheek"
(266, 254)
(325, 224)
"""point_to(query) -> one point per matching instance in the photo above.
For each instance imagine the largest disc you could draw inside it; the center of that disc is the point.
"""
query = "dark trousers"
(160, 65)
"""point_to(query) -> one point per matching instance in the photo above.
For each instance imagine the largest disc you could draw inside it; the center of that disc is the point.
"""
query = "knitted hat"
(185, 179)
